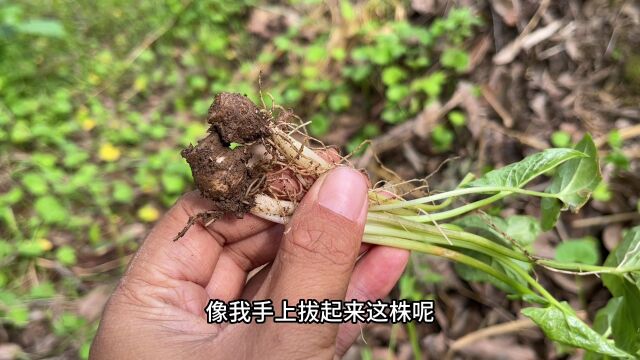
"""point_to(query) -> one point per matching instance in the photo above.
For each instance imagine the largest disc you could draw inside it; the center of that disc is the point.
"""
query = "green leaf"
(523, 229)
(442, 138)
(122, 192)
(316, 53)
(319, 125)
(622, 315)
(51, 28)
(30, 248)
(346, 9)
(430, 85)
(457, 118)
(474, 275)
(234, 145)
(6, 249)
(583, 251)
(520, 228)
(35, 183)
(50, 210)
(519, 174)
(67, 323)
(561, 139)
(568, 329)
(43, 290)
(455, 59)
(550, 212)
(602, 192)
(393, 75)
(339, 101)
(18, 316)
(603, 322)
(627, 254)
(615, 139)
(173, 183)
(397, 93)
(66, 255)
(20, 132)
(573, 183)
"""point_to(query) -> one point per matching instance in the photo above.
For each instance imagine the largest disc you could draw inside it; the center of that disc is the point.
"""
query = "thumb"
(319, 249)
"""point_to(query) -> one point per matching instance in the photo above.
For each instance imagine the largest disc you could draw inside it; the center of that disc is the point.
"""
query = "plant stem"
(413, 339)
(458, 192)
(586, 269)
(399, 227)
(395, 226)
(457, 211)
(448, 254)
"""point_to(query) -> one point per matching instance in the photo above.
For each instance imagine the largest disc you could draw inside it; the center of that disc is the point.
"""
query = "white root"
(274, 210)
(301, 155)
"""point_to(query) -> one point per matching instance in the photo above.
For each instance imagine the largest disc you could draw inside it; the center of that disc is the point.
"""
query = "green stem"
(447, 254)
(459, 192)
(483, 246)
(536, 285)
(457, 211)
(582, 268)
(413, 338)
(399, 227)
(395, 226)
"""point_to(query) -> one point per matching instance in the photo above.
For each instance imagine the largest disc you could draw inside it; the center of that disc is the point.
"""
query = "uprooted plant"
(251, 162)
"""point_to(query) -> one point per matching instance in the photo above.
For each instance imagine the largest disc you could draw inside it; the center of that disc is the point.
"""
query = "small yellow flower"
(88, 124)
(140, 84)
(93, 79)
(109, 152)
(45, 244)
(148, 213)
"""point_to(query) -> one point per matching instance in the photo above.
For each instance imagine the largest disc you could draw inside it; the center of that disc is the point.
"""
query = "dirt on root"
(237, 119)
(223, 174)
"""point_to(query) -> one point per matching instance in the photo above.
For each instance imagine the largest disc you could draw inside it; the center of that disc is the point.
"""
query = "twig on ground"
(604, 220)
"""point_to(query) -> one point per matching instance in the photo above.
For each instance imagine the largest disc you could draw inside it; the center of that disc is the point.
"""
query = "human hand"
(157, 311)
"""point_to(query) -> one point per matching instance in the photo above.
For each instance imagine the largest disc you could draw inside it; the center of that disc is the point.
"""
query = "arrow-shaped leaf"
(573, 183)
(568, 329)
(519, 174)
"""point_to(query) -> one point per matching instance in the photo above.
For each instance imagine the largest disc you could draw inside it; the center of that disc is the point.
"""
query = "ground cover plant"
(97, 99)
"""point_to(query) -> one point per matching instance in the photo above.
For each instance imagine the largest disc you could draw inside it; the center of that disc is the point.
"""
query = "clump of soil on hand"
(222, 174)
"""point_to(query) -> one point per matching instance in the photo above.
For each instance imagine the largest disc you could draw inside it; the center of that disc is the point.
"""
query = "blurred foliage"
(97, 99)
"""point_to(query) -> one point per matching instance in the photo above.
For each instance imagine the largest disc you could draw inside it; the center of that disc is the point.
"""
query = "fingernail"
(344, 191)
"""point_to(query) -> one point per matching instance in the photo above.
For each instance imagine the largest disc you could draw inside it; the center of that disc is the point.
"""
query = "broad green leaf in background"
(520, 228)
(519, 174)
(122, 192)
(51, 211)
(583, 251)
(567, 329)
(622, 312)
(456, 59)
(66, 255)
(474, 275)
(625, 255)
(42, 27)
(43, 290)
(573, 183)
(523, 229)
(35, 183)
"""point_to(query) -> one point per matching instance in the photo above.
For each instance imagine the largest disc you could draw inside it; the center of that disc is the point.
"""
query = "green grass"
(97, 99)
